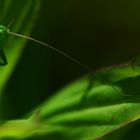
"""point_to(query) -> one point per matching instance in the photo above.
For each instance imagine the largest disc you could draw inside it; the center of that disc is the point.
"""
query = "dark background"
(98, 33)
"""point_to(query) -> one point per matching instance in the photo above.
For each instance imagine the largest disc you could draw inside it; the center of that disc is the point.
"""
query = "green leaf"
(23, 13)
(108, 106)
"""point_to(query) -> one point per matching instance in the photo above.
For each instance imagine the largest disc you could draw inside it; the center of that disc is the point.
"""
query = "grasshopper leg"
(3, 59)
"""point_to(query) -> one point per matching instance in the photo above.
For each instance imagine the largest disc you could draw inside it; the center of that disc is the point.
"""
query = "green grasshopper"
(4, 32)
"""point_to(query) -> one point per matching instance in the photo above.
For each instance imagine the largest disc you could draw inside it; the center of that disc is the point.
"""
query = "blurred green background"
(98, 33)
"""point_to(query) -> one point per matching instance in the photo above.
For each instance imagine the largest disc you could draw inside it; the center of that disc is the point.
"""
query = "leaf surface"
(108, 106)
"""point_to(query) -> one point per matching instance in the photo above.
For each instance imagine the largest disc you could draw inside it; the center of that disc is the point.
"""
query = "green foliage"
(105, 107)
(65, 116)
(23, 23)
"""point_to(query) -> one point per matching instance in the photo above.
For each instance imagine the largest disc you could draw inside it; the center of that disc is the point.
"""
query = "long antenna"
(62, 53)
(52, 48)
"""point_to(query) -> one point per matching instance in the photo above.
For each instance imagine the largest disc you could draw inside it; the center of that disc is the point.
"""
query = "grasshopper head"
(3, 34)
(3, 29)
